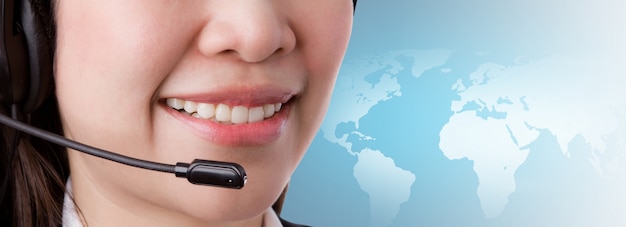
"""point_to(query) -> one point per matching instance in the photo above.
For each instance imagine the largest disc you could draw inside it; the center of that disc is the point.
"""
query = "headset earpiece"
(40, 53)
(26, 55)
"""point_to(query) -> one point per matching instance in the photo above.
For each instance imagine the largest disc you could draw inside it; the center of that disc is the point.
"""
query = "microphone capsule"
(212, 173)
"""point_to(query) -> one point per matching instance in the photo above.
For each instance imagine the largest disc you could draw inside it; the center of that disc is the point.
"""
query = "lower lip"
(252, 134)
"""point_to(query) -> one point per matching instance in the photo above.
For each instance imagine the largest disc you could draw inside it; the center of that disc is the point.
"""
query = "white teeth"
(256, 114)
(224, 113)
(239, 114)
(190, 107)
(206, 111)
(268, 110)
(176, 103)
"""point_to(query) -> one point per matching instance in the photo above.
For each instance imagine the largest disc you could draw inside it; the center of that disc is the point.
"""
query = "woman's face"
(125, 67)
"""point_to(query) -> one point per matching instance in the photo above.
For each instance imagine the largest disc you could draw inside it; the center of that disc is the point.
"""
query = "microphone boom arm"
(202, 172)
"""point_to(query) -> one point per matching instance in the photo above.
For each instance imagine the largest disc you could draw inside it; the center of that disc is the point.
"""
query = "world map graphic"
(519, 121)
(400, 114)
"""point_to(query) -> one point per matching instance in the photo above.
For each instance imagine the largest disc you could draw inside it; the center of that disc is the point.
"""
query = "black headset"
(26, 53)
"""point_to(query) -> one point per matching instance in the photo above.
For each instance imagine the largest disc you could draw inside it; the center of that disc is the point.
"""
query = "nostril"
(229, 51)
(279, 51)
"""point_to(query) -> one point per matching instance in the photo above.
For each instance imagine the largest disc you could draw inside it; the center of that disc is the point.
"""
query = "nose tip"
(257, 36)
(263, 41)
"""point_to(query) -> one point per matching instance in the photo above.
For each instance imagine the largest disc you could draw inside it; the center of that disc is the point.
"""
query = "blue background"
(417, 54)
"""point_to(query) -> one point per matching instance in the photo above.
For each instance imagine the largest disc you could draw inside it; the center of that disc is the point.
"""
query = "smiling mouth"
(223, 113)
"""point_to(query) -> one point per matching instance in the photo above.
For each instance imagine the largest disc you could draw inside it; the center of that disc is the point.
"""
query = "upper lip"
(245, 95)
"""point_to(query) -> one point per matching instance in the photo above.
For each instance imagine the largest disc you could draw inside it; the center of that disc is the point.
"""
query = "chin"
(214, 204)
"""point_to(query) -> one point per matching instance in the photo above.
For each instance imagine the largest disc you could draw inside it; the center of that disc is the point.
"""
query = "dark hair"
(32, 171)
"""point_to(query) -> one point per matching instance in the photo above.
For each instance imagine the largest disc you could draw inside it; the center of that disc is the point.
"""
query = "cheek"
(323, 40)
(130, 43)
(111, 59)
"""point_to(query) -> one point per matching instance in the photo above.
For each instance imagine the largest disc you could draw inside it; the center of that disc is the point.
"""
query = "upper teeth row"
(224, 113)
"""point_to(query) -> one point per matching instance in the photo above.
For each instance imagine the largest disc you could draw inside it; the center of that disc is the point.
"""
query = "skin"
(116, 62)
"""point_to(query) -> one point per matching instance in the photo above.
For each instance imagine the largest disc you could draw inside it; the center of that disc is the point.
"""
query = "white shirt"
(71, 218)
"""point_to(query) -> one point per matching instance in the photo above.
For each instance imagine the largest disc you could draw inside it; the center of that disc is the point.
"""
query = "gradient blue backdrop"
(473, 113)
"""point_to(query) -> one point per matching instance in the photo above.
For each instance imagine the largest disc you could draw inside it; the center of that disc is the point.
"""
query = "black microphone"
(201, 172)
